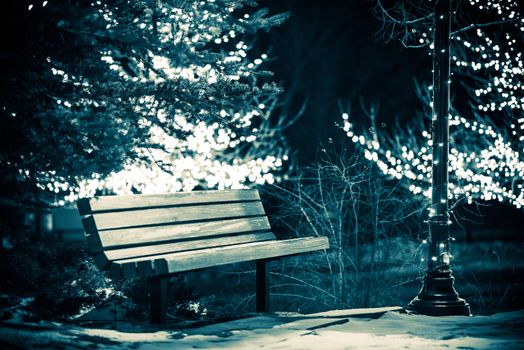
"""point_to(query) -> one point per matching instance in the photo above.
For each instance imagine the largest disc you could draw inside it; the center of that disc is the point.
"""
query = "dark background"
(328, 54)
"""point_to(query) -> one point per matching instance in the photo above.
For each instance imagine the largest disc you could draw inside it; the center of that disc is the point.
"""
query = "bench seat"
(228, 254)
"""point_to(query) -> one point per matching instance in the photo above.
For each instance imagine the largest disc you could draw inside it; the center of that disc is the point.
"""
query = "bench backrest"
(130, 226)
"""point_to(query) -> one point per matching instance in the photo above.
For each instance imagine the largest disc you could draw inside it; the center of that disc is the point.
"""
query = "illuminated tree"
(487, 145)
(229, 142)
(138, 96)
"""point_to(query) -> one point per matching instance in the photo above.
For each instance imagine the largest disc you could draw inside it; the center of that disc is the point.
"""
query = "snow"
(382, 328)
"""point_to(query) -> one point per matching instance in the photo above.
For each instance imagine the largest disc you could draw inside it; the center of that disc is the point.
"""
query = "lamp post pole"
(438, 296)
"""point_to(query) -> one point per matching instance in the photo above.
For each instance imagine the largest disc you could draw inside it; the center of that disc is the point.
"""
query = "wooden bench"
(155, 236)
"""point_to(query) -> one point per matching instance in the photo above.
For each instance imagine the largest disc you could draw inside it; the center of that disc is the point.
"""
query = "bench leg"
(158, 300)
(263, 286)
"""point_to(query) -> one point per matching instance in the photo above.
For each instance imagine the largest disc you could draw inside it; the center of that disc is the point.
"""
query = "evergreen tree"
(229, 139)
(134, 96)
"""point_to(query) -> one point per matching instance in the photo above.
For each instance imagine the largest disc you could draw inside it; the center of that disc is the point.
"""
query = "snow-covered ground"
(383, 328)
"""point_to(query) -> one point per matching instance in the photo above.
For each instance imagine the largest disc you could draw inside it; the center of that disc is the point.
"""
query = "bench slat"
(136, 201)
(141, 251)
(142, 235)
(196, 259)
(114, 220)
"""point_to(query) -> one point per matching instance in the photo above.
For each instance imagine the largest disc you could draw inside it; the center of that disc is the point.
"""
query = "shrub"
(61, 279)
(366, 218)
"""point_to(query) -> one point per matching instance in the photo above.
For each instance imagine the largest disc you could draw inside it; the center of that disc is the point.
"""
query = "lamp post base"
(438, 296)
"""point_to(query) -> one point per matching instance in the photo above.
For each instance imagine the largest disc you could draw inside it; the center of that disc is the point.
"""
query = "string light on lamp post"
(438, 296)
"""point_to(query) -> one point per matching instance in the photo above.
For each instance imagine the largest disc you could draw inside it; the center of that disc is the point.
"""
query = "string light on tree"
(494, 171)
(486, 160)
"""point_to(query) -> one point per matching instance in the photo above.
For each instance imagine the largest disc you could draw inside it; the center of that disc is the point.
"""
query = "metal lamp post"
(438, 296)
